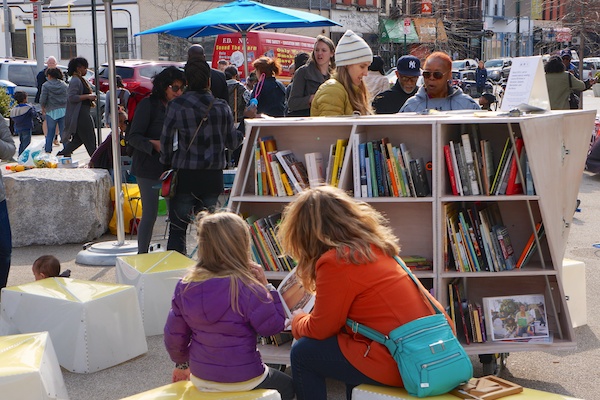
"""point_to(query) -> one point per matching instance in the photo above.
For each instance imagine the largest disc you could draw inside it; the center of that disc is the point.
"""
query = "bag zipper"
(425, 366)
(418, 332)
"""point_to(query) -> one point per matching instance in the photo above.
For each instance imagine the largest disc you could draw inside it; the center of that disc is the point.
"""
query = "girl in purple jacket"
(218, 310)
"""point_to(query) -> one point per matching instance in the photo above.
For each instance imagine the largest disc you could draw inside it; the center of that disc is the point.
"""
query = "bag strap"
(235, 108)
(378, 336)
(570, 84)
(200, 124)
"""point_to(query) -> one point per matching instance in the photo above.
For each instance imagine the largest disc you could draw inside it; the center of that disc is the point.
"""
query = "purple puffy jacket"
(220, 344)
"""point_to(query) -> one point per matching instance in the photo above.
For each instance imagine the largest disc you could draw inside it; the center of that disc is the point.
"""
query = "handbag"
(573, 97)
(169, 183)
(430, 358)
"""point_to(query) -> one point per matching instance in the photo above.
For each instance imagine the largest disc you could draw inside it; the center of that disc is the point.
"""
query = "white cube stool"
(573, 280)
(185, 390)
(93, 325)
(29, 368)
(154, 276)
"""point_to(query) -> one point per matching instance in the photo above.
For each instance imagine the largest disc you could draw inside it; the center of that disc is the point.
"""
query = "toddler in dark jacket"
(22, 116)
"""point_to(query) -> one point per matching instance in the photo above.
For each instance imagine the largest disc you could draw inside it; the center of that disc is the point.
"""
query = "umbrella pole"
(245, 46)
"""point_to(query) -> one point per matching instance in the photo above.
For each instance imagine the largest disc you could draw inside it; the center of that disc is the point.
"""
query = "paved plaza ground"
(570, 373)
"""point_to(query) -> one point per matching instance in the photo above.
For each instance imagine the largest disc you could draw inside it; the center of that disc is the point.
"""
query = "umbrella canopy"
(240, 16)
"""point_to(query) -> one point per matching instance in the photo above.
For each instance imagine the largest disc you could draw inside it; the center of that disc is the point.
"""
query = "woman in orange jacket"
(345, 252)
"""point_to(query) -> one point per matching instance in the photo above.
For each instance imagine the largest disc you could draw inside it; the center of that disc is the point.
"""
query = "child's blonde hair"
(326, 218)
(359, 99)
(223, 251)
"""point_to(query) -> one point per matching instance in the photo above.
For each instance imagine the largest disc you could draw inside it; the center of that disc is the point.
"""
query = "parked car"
(23, 73)
(498, 68)
(589, 68)
(467, 63)
(466, 81)
(136, 74)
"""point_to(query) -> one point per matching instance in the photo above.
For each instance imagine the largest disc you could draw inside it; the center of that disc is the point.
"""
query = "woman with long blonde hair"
(346, 93)
(345, 252)
(218, 310)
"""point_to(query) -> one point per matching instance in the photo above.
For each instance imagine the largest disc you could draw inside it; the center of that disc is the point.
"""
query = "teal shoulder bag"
(430, 358)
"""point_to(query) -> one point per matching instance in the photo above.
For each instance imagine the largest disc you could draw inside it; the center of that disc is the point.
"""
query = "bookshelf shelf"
(555, 144)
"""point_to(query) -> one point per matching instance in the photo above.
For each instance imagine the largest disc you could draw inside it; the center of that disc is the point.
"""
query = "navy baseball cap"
(409, 65)
(565, 53)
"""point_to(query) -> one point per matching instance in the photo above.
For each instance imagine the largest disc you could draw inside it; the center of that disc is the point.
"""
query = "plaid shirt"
(207, 149)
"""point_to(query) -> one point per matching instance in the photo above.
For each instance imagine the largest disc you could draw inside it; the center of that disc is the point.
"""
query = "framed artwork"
(516, 318)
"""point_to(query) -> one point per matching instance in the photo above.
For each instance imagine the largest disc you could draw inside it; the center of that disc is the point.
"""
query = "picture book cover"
(293, 295)
(516, 317)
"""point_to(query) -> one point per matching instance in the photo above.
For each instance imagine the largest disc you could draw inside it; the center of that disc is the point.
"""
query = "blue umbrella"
(240, 16)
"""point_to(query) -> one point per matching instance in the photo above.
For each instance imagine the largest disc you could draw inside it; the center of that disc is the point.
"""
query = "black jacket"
(391, 101)
(218, 84)
(147, 124)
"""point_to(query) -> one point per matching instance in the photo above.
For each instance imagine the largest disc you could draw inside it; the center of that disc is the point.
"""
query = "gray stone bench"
(56, 206)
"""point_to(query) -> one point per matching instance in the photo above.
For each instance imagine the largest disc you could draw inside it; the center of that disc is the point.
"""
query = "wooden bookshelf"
(556, 144)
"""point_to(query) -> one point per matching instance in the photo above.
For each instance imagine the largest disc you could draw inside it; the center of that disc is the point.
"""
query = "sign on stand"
(406, 26)
(526, 87)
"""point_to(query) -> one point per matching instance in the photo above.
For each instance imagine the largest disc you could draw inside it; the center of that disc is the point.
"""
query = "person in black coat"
(408, 70)
(218, 82)
(144, 136)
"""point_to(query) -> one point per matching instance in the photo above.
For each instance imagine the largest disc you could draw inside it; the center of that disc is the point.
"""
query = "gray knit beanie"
(352, 49)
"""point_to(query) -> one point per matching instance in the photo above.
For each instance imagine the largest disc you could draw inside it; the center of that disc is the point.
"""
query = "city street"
(568, 373)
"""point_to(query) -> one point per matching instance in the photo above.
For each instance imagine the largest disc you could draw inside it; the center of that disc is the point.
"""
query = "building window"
(121, 43)
(68, 44)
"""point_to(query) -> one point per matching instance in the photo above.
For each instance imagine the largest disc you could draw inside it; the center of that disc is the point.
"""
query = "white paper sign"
(526, 85)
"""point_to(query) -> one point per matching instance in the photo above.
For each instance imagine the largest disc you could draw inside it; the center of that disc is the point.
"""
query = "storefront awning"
(392, 31)
(430, 30)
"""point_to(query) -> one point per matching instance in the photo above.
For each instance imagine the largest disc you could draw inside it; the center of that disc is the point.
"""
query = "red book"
(450, 169)
(513, 187)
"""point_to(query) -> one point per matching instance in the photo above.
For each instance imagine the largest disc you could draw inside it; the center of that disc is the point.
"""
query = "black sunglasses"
(436, 75)
(176, 88)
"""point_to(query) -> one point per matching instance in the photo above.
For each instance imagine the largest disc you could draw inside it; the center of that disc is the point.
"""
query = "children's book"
(293, 295)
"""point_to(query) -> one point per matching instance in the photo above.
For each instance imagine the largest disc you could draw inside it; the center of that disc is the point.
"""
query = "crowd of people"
(191, 122)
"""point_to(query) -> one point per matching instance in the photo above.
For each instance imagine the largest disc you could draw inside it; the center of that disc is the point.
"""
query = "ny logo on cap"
(412, 65)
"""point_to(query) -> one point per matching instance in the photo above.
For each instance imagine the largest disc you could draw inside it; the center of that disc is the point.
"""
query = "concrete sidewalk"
(574, 374)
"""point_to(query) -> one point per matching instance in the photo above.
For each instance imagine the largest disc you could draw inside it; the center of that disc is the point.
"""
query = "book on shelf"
(294, 169)
(349, 166)
(460, 306)
(529, 186)
(421, 183)
(517, 317)
(417, 263)
(406, 157)
(531, 245)
(259, 246)
(266, 245)
(372, 175)
(340, 148)
(514, 185)
(258, 174)
(267, 147)
(487, 166)
(314, 169)
(506, 248)
(293, 295)
(363, 190)
(368, 170)
(453, 156)
(500, 168)
(471, 173)
(278, 178)
(450, 169)
(462, 169)
(329, 167)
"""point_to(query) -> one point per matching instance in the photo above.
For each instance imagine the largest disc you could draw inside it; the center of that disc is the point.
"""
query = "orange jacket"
(379, 295)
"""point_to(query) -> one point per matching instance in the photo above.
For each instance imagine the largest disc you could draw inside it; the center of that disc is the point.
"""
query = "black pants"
(84, 135)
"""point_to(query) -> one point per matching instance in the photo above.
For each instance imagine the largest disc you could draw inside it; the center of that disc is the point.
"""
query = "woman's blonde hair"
(223, 251)
(359, 98)
(327, 218)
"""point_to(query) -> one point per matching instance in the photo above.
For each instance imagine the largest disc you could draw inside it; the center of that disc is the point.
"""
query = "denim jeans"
(51, 124)
(182, 210)
(313, 361)
(279, 381)
(5, 243)
(24, 139)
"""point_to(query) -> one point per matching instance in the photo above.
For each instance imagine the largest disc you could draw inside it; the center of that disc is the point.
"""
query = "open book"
(293, 295)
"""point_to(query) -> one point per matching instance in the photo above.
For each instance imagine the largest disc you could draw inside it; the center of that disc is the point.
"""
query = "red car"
(137, 74)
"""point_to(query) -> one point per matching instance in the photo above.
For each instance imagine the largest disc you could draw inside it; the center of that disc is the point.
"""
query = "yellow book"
(267, 171)
(340, 146)
(286, 184)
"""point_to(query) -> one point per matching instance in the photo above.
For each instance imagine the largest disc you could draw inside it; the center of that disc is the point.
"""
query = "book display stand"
(545, 180)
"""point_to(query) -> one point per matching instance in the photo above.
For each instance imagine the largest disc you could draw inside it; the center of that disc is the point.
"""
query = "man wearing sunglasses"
(437, 93)
(408, 70)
